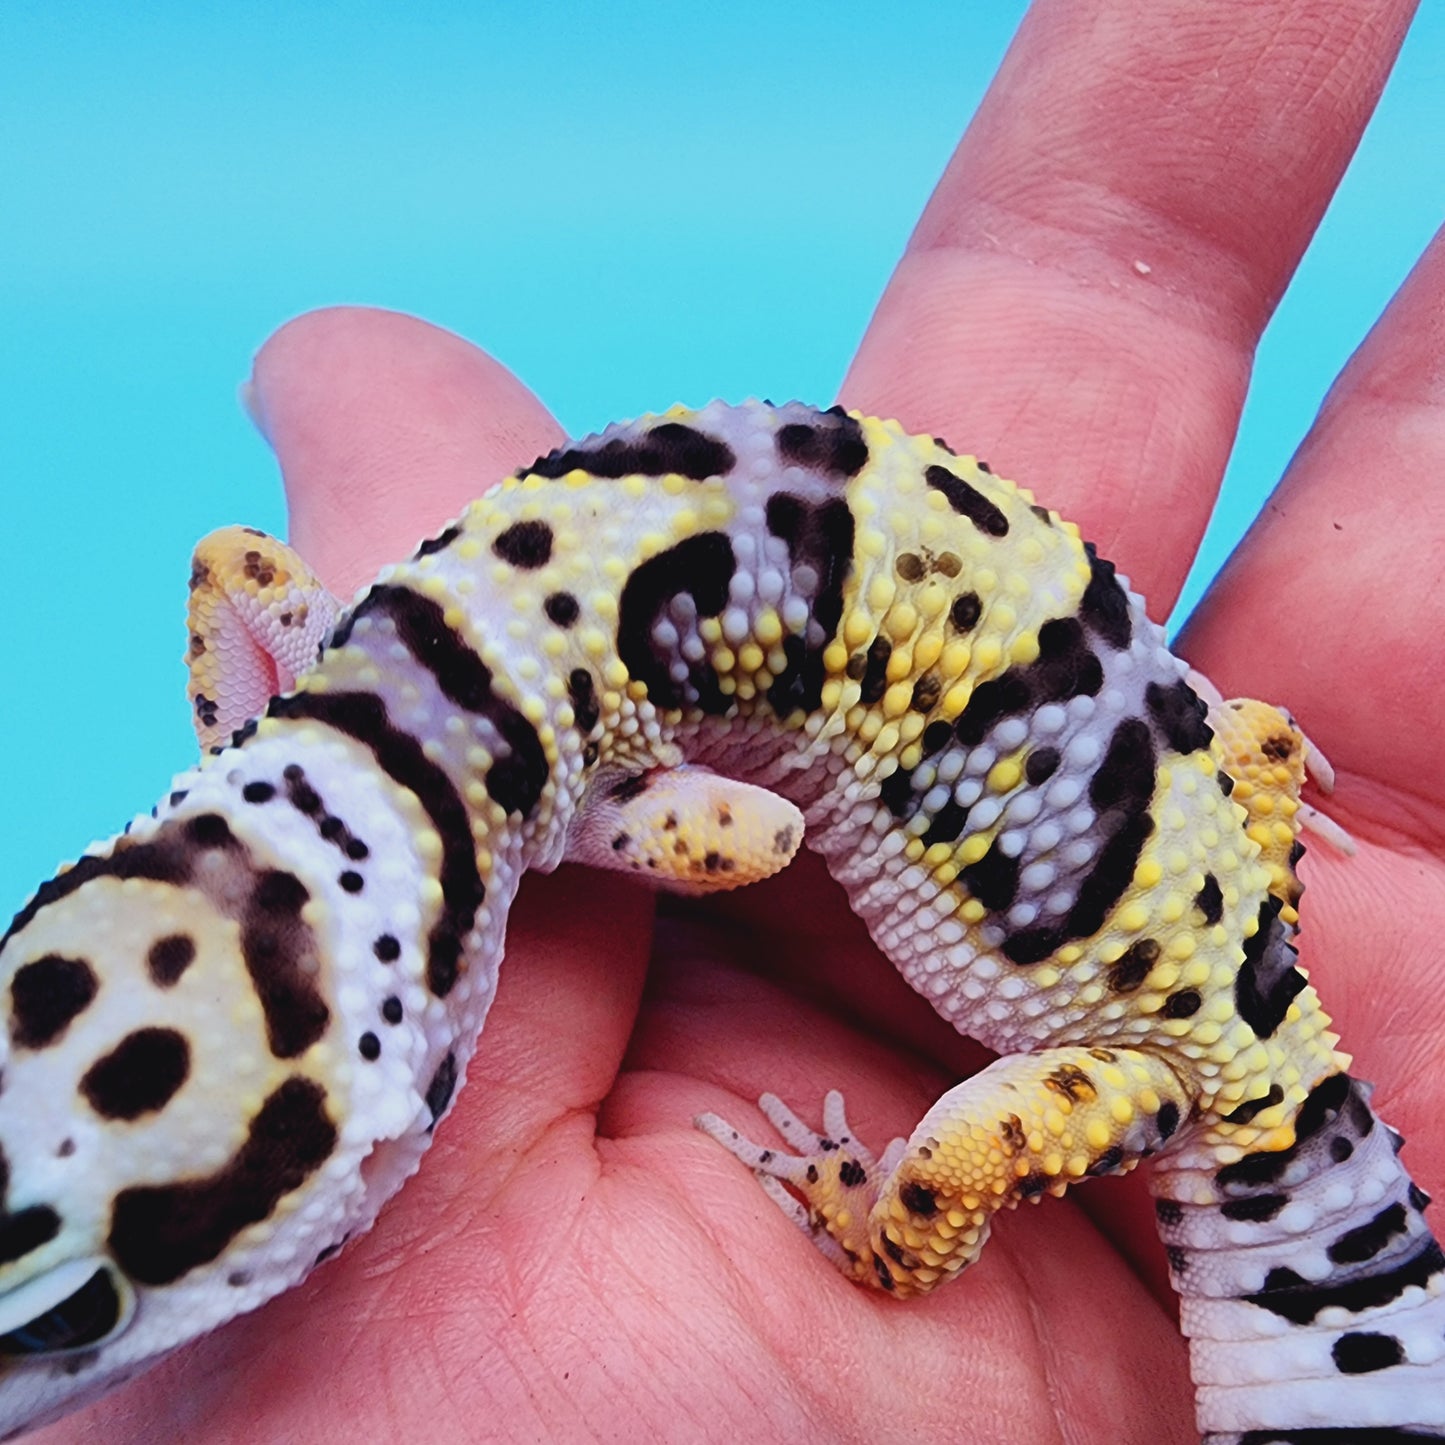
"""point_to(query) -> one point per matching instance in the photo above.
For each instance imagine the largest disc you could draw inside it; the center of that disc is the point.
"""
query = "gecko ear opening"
(77, 1305)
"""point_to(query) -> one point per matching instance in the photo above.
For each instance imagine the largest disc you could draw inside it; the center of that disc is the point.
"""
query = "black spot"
(1105, 605)
(918, 1200)
(819, 536)
(1167, 1119)
(851, 1174)
(875, 671)
(1254, 1208)
(925, 693)
(936, 737)
(1133, 967)
(386, 948)
(158, 1233)
(1041, 765)
(139, 1076)
(1277, 748)
(885, 1275)
(561, 608)
(1064, 668)
(391, 1010)
(896, 792)
(1322, 1104)
(83, 1318)
(966, 611)
(352, 882)
(1032, 1185)
(369, 1046)
(1033, 945)
(1267, 981)
(701, 566)
(1179, 713)
(1364, 1351)
(968, 501)
(1107, 1162)
(364, 717)
(210, 831)
(1418, 1198)
(1112, 873)
(1168, 1211)
(834, 447)
(669, 447)
(909, 566)
(1365, 1242)
(258, 792)
(46, 996)
(1210, 899)
(1182, 1005)
(1247, 1110)
(1178, 1259)
(443, 1085)
(1340, 1148)
(582, 692)
(993, 880)
(527, 545)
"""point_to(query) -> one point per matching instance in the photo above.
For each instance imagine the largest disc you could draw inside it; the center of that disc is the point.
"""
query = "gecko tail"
(1312, 1288)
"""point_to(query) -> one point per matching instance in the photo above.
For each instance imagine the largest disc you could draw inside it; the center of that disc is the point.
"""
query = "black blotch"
(909, 566)
(946, 825)
(1178, 1259)
(1267, 980)
(158, 1233)
(1226, 783)
(1179, 713)
(437, 543)
(391, 1010)
(369, 1046)
(386, 948)
(1254, 1208)
(516, 780)
(836, 446)
(917, 1199)
(701, 566)
(1041, 765)
(885, 1275)
(819, 536)
(1323, 1103)
(1182, 1005)
(1065, 667)
(352, 882)
(993, 880)
(139, 1076)
(668, 447)
(629, 788)
(1247, 1110)
(1125, 777)
(875, 671)
(279, 950)
(1105, 605)
(443, 1085)
(46, 996)
(1032, 1185)
(1365, 1242)
(561, 608)
(851, 1174)
(1210, 899)
(527, 545)
(896, 792)
(965, 612)
(925, 693)
(1278, 748)
(582, 692)
(1418, 1198)
(1133, 967)
(258, 792)
(1340, 1148)
(968, 501)
(1167, 1119)
(1107, 1162)
(1111, 875)
(1362, 1352)
(1168, 1211)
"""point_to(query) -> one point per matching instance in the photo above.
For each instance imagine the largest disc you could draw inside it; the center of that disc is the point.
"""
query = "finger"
(388, 425)
(1081, 300)
(1337, 589)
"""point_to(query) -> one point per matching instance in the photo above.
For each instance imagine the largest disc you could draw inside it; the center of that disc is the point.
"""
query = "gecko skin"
(230, 1032)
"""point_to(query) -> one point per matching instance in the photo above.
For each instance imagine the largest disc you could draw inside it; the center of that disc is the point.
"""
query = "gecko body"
(669, 650)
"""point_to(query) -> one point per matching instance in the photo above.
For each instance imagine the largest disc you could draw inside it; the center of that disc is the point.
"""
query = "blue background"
(628, 205)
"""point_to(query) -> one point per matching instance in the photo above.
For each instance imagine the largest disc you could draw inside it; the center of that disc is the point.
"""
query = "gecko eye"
(95, 1304)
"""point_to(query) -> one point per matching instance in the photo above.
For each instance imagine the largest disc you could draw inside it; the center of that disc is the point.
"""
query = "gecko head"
(166, 1105)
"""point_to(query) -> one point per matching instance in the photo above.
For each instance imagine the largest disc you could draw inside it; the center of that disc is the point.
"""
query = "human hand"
(574, 1260)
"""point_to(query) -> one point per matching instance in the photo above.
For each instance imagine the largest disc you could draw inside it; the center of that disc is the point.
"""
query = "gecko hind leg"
(258, 616)
(1027, 1125)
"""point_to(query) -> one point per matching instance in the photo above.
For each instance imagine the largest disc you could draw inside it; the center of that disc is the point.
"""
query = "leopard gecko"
(668, 650)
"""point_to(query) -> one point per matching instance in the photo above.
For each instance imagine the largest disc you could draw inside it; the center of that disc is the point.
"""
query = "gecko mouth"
(85, 1315)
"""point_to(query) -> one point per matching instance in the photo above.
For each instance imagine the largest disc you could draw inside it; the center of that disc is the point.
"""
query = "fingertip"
(389, 421)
